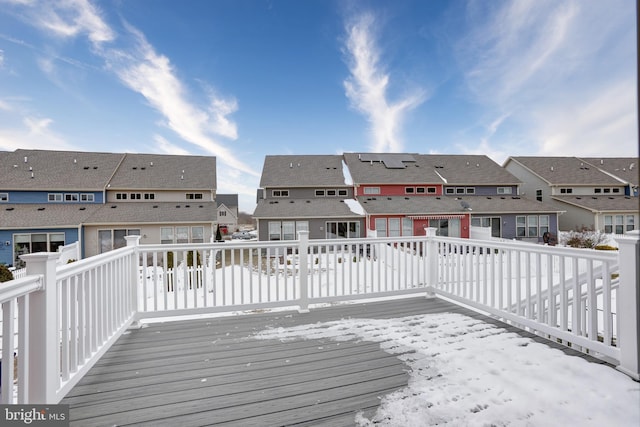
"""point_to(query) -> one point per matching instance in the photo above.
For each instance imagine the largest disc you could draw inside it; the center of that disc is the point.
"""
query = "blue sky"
(241, 79)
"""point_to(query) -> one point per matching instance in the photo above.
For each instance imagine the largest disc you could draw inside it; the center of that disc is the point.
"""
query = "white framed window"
(539, 195)
(280, 193)
(149, 196)
(166, 235)
(504, 190)
(630, 225)
(394, 227)
(222, 213)
(121, 196)
(619, 229)
(275, 230)
(431, 190)
(470, 190)
(450, 190)
(71, 197)
(521, 226)
(615, 190)
(381, 227)
(460, 190)
(135, 196)
(342, 193)
(371, 190)
(532, 225)
(288, 230)
(331, 193)
(320, 193)
(570, 190)
(197, 234)
(194, 196)
(597, 190)
(35, 242)
(54, 197)
(606, 190)
(182, 234)
(87, 197)
(302, 226)
(543, 221)
(4, 197)
(409, 190)
(407, 227)
(420, 190)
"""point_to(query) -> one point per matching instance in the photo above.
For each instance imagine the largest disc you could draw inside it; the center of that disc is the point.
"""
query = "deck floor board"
(213, 371)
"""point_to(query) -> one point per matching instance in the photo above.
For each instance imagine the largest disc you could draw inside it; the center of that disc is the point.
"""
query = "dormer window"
(570, 190)
(280, 193)
(504, 190)
(194, 196)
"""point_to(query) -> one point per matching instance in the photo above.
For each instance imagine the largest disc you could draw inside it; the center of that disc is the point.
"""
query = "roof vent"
(150, 163)
(32, 175)
(177, 206)
(113, 206)
(155, 206)
(26, 159)
(82, 208)
(40, 209)
(187, 206)
(9, 209)
(95, 167)
(86, 168)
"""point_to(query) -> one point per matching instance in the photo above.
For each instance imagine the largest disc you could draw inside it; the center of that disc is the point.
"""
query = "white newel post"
(629, 304)
(44, 353)
(432, 261)
(303, 269)
(133, 279)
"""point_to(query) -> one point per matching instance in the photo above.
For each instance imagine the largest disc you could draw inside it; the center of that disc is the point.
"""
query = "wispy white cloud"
(367, 86)
(564, 70)
(140, 68)
(71, 18)
(32, 132)
(164, 146)
(150, 74)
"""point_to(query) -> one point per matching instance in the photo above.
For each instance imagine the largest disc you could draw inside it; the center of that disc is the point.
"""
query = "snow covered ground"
(464, 372)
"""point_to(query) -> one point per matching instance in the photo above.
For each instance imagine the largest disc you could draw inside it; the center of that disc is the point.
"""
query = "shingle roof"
(164, 172)
(229, 200)
(43, 215)
(565, 171)
(625, 168)
(56, 170)
(89, 171)
(452, 205)
(602, 203)
(466, 169)
(366, 168)
(303, 208)
(302, 171)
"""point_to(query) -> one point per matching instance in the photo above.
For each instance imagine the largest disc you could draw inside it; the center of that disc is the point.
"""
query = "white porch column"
(432, 261)
(303, 269)
(629, 304)
(43, 358)
(134, 241)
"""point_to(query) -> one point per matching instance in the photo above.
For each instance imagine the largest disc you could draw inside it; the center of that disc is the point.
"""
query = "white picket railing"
(74, 312)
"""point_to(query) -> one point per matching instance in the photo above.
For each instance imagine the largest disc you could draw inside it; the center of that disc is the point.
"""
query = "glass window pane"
(118, 239)
(381, 227)
(274, 230)
(354, 229)
(407, 227)
(302, 226)
(197, 234)
(166, 235)
(182, 234)
(288, 230)
(394, 227)
(104, 241)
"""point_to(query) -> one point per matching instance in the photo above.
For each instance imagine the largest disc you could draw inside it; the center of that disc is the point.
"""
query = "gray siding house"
(307, 192)
(595, 193)
(54, 198)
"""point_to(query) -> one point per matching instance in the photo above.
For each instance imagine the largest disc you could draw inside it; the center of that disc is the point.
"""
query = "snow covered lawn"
(464, 372)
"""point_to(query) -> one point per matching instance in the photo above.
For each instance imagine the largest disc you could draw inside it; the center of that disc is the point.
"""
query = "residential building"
(595, 193)
(402, 194)
(227, 209)
(53, 198)
(308, 192)
(395, 194)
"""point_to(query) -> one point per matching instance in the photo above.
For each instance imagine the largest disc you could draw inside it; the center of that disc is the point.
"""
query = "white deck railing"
(74, 312)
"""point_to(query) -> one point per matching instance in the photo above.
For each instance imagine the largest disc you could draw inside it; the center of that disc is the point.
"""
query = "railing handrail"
(300, 272)
(20, 287)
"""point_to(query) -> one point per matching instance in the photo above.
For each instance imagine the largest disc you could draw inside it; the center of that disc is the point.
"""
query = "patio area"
(214, 371)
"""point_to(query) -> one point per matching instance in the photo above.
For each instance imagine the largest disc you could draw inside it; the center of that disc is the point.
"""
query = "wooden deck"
(212, 372)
